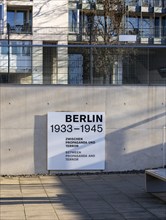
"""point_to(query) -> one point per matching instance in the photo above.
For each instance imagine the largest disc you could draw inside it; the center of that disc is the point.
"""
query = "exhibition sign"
(76, 141)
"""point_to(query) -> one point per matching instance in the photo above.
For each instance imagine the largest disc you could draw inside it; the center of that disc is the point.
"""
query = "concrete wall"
(135, 117)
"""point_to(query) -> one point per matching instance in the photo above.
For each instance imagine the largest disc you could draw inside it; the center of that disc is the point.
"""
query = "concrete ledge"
(156, 180)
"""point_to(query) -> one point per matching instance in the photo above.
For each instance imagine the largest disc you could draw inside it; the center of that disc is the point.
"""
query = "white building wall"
(37, 64)
(54, 13)
(135, 117)
(50, 22)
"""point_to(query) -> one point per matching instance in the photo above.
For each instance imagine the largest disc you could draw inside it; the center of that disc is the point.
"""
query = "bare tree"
(105, 20)
(103, 26)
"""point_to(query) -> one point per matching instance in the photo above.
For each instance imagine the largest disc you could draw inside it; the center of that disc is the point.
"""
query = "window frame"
(25, 24)
(4, 47)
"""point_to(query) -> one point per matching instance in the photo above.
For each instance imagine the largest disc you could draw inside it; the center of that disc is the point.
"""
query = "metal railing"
(146, 32)
(98, 35)
(83, 64)
(146, 3)
(143, 3)
(82, 34)
(20, 29)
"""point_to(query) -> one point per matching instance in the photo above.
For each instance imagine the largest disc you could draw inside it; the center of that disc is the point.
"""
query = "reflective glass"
(10, 18)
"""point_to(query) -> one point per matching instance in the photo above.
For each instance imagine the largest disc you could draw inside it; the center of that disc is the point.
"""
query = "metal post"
(164, 146)
(91, 53)
(8, 34)
(91, 65)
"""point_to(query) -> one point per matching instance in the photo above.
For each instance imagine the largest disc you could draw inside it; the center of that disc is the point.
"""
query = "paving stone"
(45, 217)
(160, 212)
(97, 211)
(70, 212)
(118, 198)
(85, 196)
(74, 217)
(11, 208)
(38, 206)
(142, 218)
(128, 207)
(138, 215)
(161, 196)
(12, 218)
(110, 216)
(81, 197)
(97, 204)
(75, 207)
(40, 215)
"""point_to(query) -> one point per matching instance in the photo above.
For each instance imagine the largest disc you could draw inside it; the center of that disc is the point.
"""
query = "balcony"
(147, 6)
(19, 20)
(154, 35)
(20, 29)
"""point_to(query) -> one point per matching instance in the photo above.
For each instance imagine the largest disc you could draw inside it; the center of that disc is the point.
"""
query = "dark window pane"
(20, 17)
(10, 18)
(4, 48)
(16, 50)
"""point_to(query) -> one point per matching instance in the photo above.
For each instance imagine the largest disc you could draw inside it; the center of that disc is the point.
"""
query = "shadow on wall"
(137, 146)
(40, 144)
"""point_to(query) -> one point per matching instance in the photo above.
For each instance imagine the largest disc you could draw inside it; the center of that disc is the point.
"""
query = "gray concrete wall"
(135, 117)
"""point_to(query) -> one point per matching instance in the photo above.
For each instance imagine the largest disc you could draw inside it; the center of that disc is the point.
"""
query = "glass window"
(145, 3)
(132, 2)
(100, 22)
(147, 27)
(164, 4)
(26, 50)
(142, 26)
(21, 48)
(16, 48)
(157, 3)
(73, 20)
(30, 18)
(19, 20)
(132, 25)
(164, 27)
(1, 12)
(4, 47)
(10, 18)
(157, 27)
(133, 22)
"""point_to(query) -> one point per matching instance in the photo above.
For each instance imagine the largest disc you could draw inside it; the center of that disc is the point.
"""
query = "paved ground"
(79, 197)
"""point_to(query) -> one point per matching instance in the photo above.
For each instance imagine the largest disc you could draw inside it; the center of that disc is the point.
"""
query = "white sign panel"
(76, 140)
(129, 38)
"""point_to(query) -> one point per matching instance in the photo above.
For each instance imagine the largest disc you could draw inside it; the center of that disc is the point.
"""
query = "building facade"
(28, 23)
(138, 24)
(146, 19)
(42, 41)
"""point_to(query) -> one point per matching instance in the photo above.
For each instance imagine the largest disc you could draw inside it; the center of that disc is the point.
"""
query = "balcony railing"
(82, 64)
(20, 29)
(147, 32)
(78, 34)
(151, 33)
(146, 3)
(143, 3)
